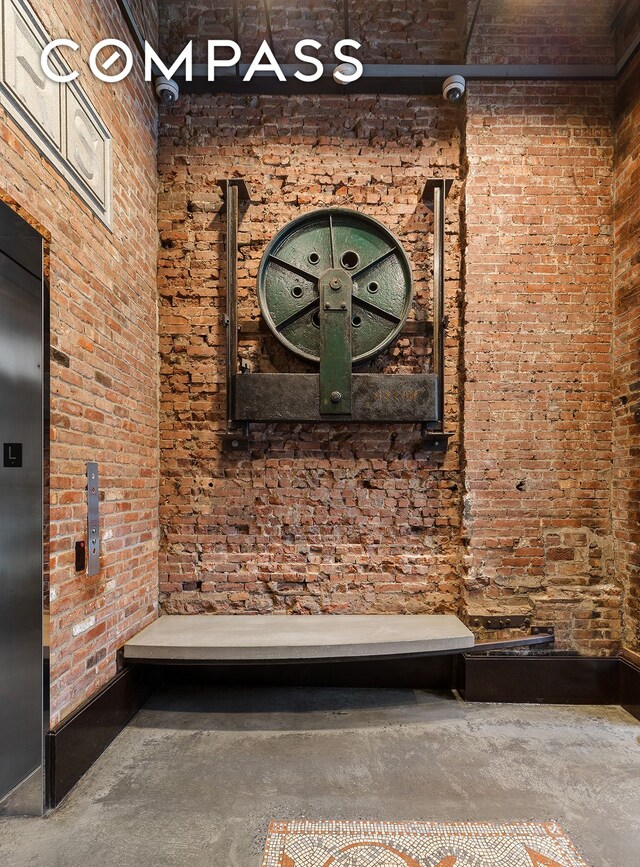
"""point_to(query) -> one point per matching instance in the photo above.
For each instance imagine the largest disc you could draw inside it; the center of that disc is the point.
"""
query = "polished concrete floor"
(196, 777)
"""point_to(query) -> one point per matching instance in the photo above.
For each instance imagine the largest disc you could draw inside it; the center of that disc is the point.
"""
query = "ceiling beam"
(388, 78)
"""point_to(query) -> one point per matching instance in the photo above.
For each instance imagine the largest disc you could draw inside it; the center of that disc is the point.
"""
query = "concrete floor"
(196, 777)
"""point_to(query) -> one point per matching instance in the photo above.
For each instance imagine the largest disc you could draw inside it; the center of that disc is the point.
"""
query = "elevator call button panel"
(93, 523)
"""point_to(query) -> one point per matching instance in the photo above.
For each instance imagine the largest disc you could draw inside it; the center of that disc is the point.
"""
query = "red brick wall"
(324, 518)
(626, 383)
(543, 31)
(537, 332)
(103, 368)
(418, 31)
(328, 520)
(348, 519)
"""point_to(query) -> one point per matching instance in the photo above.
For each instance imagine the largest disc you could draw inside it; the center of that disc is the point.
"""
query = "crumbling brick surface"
(626, 384)
(336, 519)
(331, 519)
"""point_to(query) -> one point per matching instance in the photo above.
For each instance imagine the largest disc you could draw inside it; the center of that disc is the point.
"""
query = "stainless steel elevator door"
(21, 529)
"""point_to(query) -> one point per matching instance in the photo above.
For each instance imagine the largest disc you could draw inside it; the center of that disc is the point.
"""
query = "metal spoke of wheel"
(333, 245)
(377, 261)
(293, 268)
(298, 314)
(379, 311)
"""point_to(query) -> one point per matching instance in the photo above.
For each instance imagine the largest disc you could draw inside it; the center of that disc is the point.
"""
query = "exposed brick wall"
(316, 518)
(626, 26)
(417, 31)
(103, 367)
(544, 31)
(336, 519)
(331, 520)
(145, 15)
(626, 384)
(537, 331)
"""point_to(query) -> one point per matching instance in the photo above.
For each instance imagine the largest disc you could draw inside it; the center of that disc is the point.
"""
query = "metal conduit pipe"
(388, 78)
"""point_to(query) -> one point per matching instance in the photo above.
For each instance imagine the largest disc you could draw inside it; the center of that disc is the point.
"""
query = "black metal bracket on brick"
(234, 442)
(434, 194)
(494, 622)
(436, 441)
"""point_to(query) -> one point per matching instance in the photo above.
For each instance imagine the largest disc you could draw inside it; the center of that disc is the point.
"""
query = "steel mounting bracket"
(234, 190)
(335, 341)
(435, 192)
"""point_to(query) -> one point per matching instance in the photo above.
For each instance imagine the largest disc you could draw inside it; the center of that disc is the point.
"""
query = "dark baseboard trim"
(542, 679)
(79, 740)
(630, 687)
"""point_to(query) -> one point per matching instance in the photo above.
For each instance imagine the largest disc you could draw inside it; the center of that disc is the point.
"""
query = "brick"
(626, 352)
(103, 365)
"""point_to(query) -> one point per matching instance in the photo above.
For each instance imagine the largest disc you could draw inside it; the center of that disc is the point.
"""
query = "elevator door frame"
(23, 251)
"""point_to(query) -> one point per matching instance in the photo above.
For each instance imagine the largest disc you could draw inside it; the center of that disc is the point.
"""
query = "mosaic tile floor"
(418, 844)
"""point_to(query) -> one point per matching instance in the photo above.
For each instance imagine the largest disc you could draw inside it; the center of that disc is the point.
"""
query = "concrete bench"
(264, 638)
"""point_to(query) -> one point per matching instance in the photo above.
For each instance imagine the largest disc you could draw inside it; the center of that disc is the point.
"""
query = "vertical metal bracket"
(335, 343)
(234, 190)
(93, 519)
(435, 193)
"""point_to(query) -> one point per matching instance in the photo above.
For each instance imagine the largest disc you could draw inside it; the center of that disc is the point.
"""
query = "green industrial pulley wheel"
(354, 248)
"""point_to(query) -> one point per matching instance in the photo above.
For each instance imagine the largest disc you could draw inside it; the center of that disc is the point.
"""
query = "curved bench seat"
(264, 638)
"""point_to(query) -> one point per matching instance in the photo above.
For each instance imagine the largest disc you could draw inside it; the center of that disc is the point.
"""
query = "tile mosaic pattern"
(303, 843)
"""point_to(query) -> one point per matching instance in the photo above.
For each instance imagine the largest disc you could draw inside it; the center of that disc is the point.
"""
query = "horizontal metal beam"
(377, 397)
(388, 78)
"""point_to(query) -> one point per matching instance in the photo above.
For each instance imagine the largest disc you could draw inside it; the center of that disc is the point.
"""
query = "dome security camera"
(344, 70)
(167, 90)
(453, 88)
